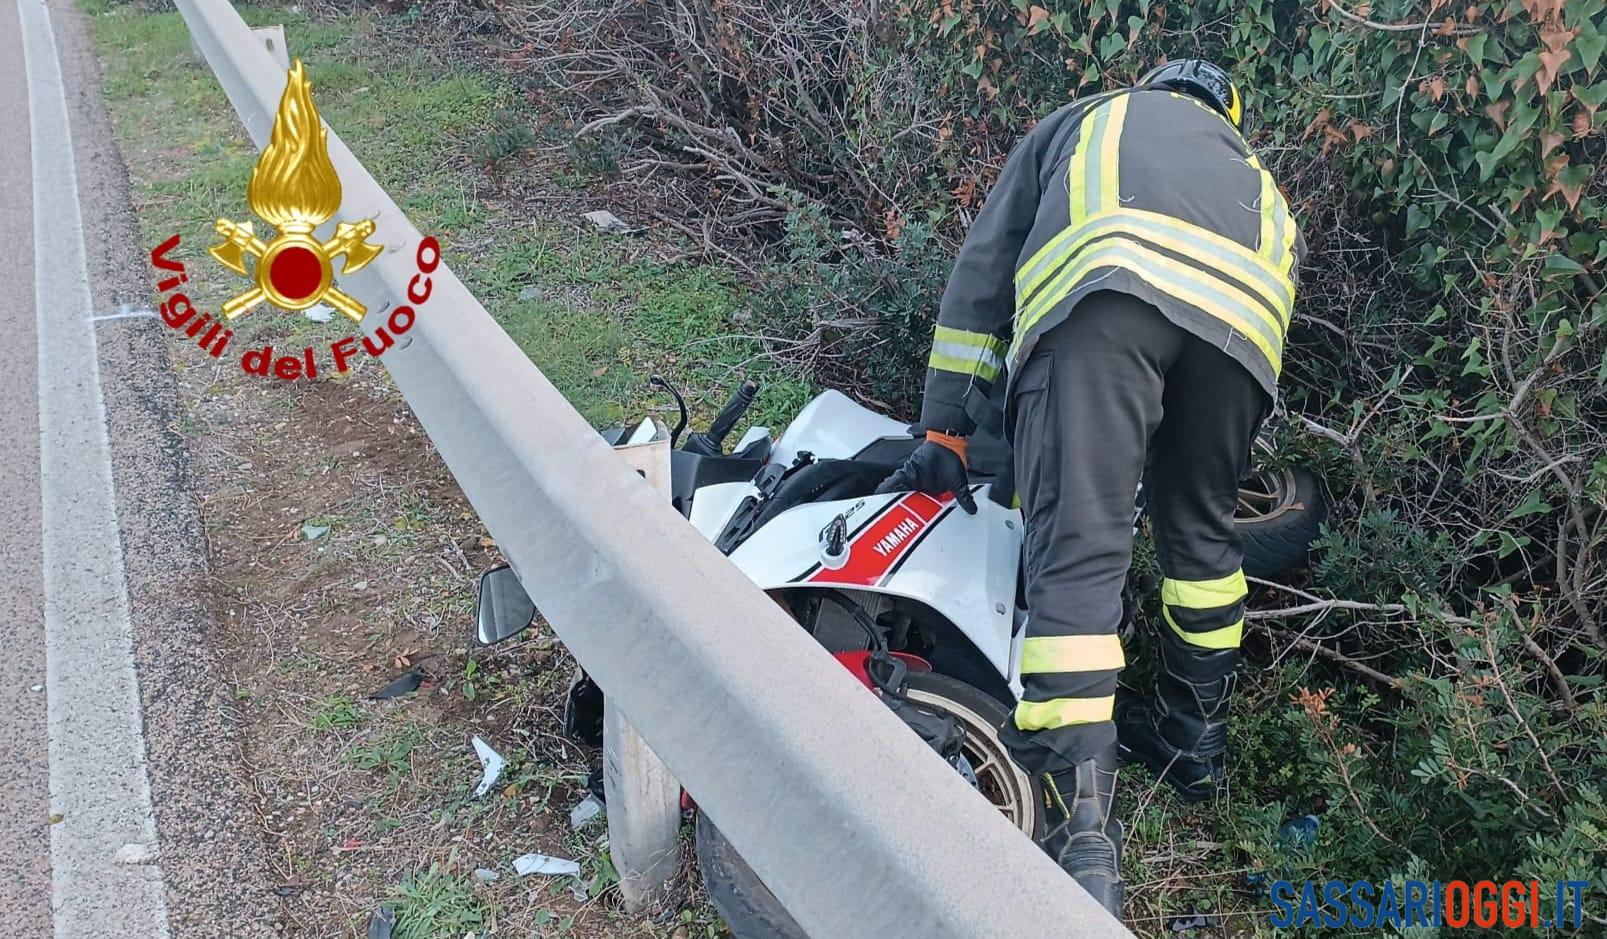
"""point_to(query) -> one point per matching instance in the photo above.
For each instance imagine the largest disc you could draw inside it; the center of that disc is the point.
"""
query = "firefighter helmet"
(1204, 80)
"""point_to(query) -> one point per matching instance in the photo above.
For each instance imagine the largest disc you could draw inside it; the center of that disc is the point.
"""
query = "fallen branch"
(1340, 658)
(1398, 27)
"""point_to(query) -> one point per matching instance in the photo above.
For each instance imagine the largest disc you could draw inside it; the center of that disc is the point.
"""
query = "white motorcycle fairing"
(908, 545)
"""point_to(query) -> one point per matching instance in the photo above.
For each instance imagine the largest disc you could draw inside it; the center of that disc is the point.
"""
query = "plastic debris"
(314, 532)
(491, 762)
(531, 292)
(1295, 838)
(135, 853)
(383, 923)
(1189, 924)
(584, 812)
(1297, 834)
(546, 865)
(609, 222)
(319, 313)
(404, 684)
(486, 875)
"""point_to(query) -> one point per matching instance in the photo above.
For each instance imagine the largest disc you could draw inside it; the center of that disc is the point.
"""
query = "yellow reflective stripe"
(1227, 637)
(1045, 654)
(1067, 278)
(1185, 238)
(1077, 168)
(969, 353)
(1205, 594)
(1063, 712)
(1269, 240)
(1110, 196)
(965, 337)
(1286, 262)
(971, 366)
(1182, 281)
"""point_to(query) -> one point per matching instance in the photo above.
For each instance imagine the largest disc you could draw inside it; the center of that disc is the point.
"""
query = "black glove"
(933, 469)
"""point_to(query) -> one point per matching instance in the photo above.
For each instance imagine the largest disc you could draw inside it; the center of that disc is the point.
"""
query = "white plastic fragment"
(314, 532)
(546, 865)
(609, 222)
(491, 762)
(319, 313)
(486, 875)
(584, 811)
(135, 853)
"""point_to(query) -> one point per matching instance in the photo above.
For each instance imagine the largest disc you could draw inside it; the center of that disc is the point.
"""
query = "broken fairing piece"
(584, 812)
(406, 683)
(492, 762)
(609, 222)
(546, 865)
(383, 923)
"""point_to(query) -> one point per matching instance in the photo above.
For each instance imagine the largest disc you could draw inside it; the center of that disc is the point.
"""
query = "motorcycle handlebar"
(712, 441)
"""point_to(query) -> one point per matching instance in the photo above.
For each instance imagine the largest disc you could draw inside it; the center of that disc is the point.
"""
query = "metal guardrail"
(857, 826)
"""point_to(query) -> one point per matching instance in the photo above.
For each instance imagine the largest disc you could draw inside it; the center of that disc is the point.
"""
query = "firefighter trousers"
(1114, 384)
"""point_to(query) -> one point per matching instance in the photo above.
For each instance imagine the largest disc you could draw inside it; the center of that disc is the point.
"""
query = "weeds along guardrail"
(863, 833)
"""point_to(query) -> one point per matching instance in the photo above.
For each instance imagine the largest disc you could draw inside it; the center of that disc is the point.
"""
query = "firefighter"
(1130, 280)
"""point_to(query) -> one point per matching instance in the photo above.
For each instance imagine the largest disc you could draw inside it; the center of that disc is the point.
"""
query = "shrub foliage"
(1448, 370)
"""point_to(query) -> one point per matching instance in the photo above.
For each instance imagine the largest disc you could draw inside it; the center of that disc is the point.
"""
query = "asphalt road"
(123, 804)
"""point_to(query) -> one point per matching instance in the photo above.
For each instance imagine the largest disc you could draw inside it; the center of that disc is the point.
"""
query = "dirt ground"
(361, 800)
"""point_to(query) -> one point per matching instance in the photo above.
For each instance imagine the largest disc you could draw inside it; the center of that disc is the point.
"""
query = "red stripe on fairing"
(867, 565)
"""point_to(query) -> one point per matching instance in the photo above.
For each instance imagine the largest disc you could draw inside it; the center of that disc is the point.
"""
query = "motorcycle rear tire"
(747, 906)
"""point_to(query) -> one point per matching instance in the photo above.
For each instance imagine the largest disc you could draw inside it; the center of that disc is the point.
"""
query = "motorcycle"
(922, 601)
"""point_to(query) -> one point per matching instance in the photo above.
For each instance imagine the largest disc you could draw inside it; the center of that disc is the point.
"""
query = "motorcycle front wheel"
(748, 907)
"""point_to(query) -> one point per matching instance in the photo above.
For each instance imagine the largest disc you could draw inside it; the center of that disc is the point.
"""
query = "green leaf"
(1533, 505)
(1588, 46)
(1557, 265)
(1510, 544)
(1523, 118)
(1593, 96)
(1475, 48)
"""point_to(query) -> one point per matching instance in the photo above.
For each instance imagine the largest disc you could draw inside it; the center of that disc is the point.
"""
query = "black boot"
(1083, 836)
(1182, 733)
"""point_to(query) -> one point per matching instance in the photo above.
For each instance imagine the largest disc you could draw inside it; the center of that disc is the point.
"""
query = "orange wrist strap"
(951, 441)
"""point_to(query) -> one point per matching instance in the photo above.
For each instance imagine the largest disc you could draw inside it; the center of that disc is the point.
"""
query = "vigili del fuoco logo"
(293, 188)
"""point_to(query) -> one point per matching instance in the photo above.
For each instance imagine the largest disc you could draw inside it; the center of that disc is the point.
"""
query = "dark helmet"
(1204, 80)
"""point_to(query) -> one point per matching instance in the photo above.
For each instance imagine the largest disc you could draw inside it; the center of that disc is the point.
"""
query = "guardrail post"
(644, 799)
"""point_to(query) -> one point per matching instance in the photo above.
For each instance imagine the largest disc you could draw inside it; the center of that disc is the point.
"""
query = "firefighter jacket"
(1143, 191)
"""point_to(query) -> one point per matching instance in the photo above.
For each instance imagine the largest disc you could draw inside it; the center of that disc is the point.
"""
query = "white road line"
(98, 781)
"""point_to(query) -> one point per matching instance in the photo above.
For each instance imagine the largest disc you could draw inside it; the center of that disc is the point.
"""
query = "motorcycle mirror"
(504, 610)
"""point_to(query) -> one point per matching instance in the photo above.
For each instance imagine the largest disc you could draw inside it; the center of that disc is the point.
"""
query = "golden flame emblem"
(294, 188)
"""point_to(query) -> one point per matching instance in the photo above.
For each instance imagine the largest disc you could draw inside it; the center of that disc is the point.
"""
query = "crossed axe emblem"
(294, 270)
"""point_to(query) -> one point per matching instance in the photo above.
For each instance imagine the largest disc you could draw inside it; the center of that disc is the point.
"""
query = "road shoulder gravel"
(213, 858)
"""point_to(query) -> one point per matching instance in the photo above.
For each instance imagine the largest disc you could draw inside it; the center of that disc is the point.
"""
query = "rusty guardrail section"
(857, 826)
